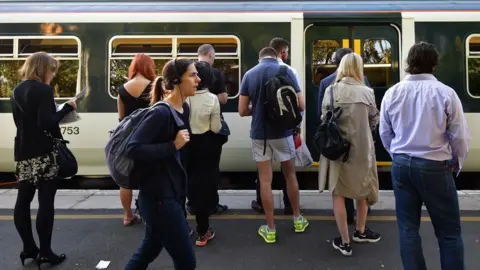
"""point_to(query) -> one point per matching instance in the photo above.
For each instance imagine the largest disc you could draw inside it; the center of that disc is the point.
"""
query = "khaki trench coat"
(357, 178)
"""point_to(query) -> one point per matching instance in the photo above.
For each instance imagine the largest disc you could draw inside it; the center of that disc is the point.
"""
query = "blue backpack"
(119, 165)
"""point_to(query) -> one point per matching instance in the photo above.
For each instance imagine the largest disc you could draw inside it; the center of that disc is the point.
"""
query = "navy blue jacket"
(158, 164)
(324, 84)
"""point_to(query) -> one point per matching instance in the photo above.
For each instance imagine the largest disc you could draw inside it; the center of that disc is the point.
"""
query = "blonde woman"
(356, 178)
(35, 115)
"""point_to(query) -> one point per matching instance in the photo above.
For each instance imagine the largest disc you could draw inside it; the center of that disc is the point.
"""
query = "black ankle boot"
(52, 259)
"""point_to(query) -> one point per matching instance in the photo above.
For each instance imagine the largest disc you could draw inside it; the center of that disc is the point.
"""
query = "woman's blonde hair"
(37, 66)
(351, 66)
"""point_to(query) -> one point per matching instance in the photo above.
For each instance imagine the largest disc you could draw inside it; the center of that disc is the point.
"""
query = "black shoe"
(52, 259)
(28, 255)
(257, 207)
(220, 209)
(345, 249)
(367, 237)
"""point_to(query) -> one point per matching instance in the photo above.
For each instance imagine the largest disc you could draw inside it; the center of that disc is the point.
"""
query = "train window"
(163, 48)
(227, 57)
(14, 51)
(323, 62)
(377, 60)
(473, 65)
(123, 49)
(6, 47)
(147, 45)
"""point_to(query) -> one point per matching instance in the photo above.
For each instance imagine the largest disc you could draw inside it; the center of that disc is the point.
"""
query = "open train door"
(376, 40)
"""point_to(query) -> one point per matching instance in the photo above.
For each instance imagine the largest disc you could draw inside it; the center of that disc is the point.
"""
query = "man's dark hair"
(205, 49)
(279, 44)
(422, 58)
(267, 51)
(340, 53)
(205, 73)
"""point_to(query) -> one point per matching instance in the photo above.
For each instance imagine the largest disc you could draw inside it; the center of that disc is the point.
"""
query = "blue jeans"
(417, 181)
(166, 226)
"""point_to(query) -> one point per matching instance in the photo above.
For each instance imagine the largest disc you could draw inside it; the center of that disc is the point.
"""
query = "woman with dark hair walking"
(162, 179)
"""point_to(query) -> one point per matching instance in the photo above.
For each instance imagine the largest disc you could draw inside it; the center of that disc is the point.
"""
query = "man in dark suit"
(324, 84)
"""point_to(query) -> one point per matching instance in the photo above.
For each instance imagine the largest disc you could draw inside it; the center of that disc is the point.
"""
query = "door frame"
(349, 23)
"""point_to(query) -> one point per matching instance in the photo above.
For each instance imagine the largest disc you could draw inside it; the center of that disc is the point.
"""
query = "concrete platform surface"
(235, 199)
(88, 236)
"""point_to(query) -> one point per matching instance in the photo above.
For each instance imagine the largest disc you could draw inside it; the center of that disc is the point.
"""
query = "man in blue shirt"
(280, 144)
(324, 84)
(423, 128)
(281, 46)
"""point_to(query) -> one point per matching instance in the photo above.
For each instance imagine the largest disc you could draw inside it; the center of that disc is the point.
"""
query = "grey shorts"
(279, 149)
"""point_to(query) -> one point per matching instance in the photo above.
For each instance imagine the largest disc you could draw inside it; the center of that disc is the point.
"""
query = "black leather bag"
(68, 165)
(328, 140)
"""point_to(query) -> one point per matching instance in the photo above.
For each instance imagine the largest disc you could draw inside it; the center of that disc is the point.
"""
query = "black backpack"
(280, 105)
(328, 140)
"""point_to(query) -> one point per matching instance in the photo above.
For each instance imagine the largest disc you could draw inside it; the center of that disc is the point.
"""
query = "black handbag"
(68, 165)
(328, 140)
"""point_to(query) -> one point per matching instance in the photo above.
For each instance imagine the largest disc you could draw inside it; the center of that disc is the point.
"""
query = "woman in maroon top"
(133, 95)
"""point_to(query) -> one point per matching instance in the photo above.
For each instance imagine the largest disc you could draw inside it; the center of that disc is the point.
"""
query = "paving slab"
(235, 199)
(86, 241)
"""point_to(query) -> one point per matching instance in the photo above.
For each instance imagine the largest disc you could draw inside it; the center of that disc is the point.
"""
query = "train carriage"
(95, 41)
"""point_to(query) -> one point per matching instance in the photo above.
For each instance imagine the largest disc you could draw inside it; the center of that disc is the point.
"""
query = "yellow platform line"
(379, 164)
(241, 217)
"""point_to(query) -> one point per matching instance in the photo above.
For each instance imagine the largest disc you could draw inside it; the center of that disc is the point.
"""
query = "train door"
(379, 47)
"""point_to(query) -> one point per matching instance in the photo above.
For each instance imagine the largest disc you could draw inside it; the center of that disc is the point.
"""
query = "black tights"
(22, 217)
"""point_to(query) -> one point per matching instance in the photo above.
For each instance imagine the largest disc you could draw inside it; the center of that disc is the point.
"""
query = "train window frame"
(174, 53)
(16, 56)
(470, 55)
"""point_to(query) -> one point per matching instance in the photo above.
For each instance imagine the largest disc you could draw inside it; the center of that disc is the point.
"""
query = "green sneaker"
(266, 234)
(300, 224)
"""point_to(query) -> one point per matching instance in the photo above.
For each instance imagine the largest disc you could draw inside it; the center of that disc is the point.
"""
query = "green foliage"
(64, 83)
(474, 76)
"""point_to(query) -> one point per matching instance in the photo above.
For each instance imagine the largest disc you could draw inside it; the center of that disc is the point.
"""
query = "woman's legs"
(126, 196)
(363, 234)
(166, 226)
(22, 219)
(45, 216)
(341, 243)
(341, 217)
(202, 181)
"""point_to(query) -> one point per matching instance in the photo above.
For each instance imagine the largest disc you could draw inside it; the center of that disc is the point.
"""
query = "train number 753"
(70, 130)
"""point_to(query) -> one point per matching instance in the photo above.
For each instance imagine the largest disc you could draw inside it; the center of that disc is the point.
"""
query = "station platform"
(235, 199)
(89, 236)
(88, 228)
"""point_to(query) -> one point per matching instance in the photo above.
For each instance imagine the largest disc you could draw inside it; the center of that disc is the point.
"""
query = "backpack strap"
(331, 97)
(178, 121)
(282, 71)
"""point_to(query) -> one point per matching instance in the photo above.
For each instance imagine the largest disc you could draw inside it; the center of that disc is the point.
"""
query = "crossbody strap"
(16, 102)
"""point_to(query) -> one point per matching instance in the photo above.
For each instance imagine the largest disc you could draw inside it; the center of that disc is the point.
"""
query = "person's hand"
(182, 138)
(72, 102)
(453, 166)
